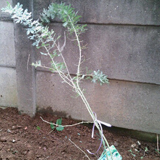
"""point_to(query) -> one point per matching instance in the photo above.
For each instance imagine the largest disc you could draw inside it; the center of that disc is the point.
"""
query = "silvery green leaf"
(98, 76)
(37, 64)
(65, 24)
(45, 54)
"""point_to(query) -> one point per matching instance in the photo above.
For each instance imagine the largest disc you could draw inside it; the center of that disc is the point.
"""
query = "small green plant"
(135, 150)
(42, 37)
(38, 128)
(58, 125)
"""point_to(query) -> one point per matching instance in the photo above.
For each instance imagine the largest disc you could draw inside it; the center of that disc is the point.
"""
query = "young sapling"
(43, 37)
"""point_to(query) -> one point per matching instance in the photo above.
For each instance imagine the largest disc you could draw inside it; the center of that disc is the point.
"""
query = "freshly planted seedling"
(38, 128)
(43, 37)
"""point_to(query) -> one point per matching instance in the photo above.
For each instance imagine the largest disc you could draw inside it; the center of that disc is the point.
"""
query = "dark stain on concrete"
(49, 110)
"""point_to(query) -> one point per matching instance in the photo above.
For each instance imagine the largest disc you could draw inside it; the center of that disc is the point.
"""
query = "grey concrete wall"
(26, 80)
(8, 85)
(123, 104)
(127, 53)
(122, 40)
(25, 72)
(7, 49)
(108, 12)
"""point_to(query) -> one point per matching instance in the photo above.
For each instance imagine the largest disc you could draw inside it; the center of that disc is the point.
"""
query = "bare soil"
(26, 138)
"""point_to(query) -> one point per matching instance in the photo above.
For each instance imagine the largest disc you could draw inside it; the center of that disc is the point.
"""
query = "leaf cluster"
(41, 35)
(58, 125)
(99, 76)
(65, 13)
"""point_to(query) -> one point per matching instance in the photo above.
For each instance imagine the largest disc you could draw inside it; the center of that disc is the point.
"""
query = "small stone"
(138, 142)
(25, 128)
(13, 127)
(3, 139)
(44, 148)
(16, 127)
(116, 144)
(9, 131)
(133, 145)
(25, 152)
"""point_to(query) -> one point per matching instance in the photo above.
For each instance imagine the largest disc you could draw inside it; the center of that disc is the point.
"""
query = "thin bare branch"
(72, 125)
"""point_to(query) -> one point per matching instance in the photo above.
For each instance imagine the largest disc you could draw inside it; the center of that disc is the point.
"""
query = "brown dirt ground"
(26, 138)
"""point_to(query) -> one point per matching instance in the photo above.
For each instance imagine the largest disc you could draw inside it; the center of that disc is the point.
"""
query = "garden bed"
(23, 137)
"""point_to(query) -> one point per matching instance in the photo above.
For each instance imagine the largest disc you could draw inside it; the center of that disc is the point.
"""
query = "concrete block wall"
(122, 40)
(8, 84)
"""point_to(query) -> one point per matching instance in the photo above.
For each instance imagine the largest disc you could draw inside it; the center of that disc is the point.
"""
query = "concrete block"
(107, 12)
(127, 53)
(7, 49)
(128, 105)
(52, 93)
(122, 104)
(8, 87)
(25, 72)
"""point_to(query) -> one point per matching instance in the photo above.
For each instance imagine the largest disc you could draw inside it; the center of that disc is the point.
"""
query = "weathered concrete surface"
(106, 11)
(24, 50)
(52, 93)
(123, 104)
(127, 53)
(8, 87)
(7, 50)
(25, 72)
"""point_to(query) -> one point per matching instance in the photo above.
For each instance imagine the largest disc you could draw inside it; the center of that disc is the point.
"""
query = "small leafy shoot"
(38, 128)
(58, 125)
(43, 37)
(59, 121)
(98, 76)
(60, 128)
(52, 126)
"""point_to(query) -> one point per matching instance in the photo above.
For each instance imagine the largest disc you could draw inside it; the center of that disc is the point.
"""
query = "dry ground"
(22, 137)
